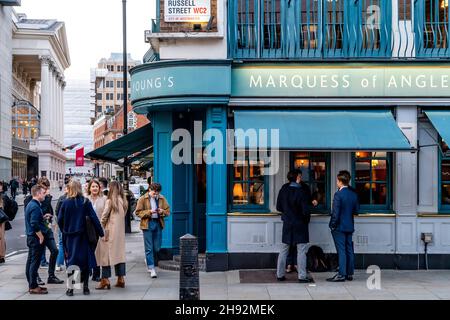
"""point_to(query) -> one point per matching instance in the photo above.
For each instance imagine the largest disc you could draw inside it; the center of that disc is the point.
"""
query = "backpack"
(316, 260)
(11, 207)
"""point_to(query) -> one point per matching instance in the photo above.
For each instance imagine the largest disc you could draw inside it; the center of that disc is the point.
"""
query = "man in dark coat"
(342, 225)
(37, 231)
(14, 186)
(293, 203)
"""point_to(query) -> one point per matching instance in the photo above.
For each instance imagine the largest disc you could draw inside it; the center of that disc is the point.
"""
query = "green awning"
(441, 122)
(310, 130)
(137, 141)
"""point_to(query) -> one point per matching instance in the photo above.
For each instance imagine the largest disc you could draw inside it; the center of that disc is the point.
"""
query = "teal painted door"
(200, 205)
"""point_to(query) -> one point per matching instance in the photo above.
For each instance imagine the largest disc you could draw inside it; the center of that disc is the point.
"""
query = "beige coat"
(114, 225)
(101, 253)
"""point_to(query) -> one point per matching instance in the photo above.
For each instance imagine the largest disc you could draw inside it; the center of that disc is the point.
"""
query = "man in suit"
(293, 203)
(342, 225)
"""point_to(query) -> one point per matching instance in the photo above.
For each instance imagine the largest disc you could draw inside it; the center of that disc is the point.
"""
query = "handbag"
(90, 229)
(3, 217)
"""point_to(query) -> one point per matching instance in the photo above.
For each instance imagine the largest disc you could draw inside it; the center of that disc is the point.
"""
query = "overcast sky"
(94, 28)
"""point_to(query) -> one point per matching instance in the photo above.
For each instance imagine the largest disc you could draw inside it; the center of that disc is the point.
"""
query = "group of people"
(91, 233)
(15, 184)
(294, 202)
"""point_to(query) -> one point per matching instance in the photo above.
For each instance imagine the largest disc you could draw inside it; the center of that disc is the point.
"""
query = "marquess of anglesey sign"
(162, 81)
(338, 81)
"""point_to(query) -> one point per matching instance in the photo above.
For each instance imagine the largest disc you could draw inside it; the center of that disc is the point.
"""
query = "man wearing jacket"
(36, 232)
(342, 225)
(152, 208)
(293, 204)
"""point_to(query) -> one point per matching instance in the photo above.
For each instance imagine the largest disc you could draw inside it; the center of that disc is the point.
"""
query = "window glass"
(372, 177)
(248, 183)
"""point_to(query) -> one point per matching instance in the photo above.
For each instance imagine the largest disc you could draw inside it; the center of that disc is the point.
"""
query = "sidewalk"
(415, 285)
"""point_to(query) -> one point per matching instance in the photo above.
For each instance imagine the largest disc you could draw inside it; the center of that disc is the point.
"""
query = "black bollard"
(189, 276)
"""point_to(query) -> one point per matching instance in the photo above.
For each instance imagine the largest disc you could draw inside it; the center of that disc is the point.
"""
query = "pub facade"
(256, 88)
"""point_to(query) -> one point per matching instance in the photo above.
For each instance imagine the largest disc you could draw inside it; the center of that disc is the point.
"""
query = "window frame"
(249, 208)
(370, 208)
(327, 208)
(443, 208)
(420, 23)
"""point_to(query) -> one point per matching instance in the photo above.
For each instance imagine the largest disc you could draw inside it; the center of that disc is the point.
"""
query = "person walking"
(152, 208)
(112, 250)
(342, 225)
(60, 260)
(14, 185)
(293, 204)
(37, 231)
(98, 200)
(10, 208)
(72, 221)
(25, 187)
(61, 185)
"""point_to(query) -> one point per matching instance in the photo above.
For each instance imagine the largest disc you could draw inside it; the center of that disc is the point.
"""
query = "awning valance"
(138, 141)
(441, 122)
(331, 130)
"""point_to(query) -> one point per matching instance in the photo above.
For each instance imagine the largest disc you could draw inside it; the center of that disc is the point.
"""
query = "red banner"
(79, 158)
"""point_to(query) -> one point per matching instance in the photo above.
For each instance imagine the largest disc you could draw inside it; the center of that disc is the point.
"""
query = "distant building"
(108, 128)
(78, 128)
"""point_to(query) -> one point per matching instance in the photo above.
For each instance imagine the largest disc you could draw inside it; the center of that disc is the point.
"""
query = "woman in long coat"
(98, 200)
(72, 222)
(113, 221)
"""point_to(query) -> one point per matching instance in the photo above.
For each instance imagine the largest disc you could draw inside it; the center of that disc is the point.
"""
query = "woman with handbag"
(98, 200)
(113, 221)
(74, 218)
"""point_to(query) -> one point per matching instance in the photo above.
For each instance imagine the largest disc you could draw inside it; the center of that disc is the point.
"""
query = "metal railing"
(338, 29)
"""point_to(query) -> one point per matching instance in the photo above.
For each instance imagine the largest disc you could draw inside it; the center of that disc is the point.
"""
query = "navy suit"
(342, 225)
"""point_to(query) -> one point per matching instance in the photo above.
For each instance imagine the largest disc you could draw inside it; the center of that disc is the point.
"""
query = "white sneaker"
(153, 273)
(58, 269)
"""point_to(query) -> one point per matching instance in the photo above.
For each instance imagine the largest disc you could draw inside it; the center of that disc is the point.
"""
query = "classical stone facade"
(40, 56)
(5, 91)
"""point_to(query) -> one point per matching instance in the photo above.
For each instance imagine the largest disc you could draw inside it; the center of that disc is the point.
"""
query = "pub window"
(249, 184)
(445, 177)
(315, 173)
(372, 180)
(433, 26)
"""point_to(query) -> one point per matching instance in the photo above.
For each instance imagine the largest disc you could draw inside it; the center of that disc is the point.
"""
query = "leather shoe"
(86, 291)
(38, 290)
(283, 278)
(349, 278)
(69, 292)
(307, 280)
(2, 260)
(337, 278)
(40, 282)
(54, 280)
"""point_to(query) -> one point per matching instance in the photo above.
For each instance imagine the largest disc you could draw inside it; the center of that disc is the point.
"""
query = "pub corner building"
(361, 85)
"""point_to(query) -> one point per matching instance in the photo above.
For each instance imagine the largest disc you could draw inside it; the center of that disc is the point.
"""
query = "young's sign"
(187, 10)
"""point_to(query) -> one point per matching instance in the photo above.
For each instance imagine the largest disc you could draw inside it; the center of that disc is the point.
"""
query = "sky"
(94, 28)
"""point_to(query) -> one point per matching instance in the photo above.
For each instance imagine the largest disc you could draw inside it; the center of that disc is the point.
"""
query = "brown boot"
(104, 285)
(120, 282)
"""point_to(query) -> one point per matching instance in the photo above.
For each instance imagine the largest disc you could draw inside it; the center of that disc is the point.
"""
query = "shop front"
(225, 134)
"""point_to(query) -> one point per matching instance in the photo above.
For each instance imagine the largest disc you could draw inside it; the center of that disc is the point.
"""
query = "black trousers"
(35, 250)
(51, 245)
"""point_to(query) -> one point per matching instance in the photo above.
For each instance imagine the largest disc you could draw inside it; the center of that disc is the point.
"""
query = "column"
(162, 131)
(217, 188)
(406, 184)
(58, 109)
(45, 96)
(63, 86)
